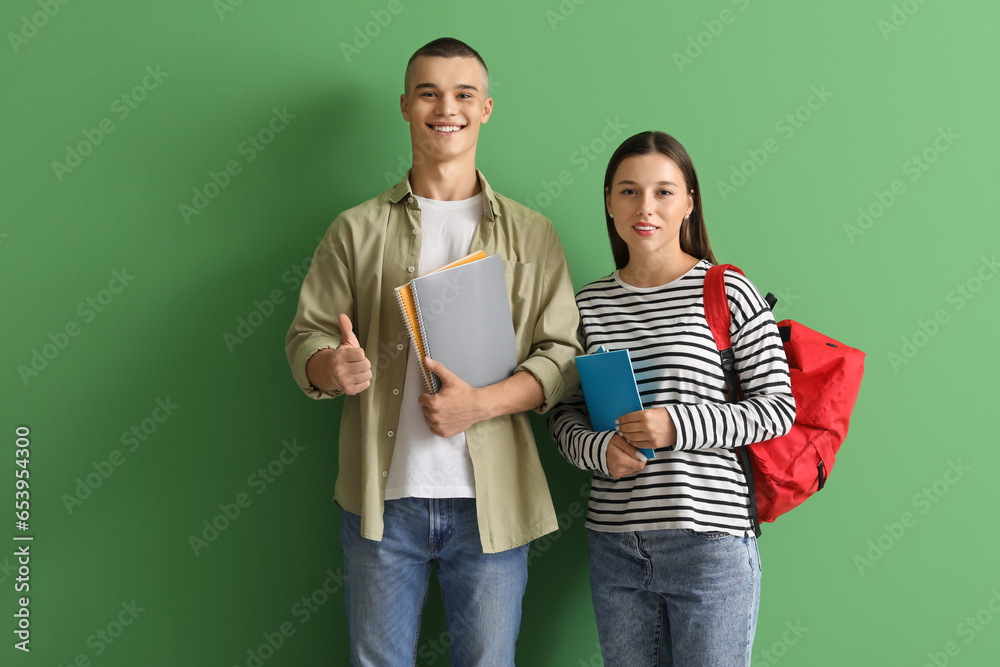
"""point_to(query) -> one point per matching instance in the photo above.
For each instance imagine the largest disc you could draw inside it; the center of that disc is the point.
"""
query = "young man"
(451, 478)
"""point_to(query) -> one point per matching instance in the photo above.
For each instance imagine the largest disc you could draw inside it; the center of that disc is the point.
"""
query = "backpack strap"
(719, 318)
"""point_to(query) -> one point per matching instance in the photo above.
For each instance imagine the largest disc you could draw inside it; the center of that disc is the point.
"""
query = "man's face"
(445, 103)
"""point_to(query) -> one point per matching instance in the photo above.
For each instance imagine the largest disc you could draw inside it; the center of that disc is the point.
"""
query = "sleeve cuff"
(302, 357)
(549, 376)
(602, 451)
(674, 411)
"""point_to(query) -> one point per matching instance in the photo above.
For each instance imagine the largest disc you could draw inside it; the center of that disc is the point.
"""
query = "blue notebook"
(609, 388)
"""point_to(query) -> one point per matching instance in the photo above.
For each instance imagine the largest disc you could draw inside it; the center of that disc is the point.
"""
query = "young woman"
(674, 566)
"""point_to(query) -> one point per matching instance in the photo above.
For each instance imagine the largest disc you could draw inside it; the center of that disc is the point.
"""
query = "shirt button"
(399, 346)
(389, 433)
(385, 474)
(410, 269)
(416, 231)
(395, 392)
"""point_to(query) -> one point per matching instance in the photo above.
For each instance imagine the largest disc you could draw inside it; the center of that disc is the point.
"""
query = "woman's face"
(648, 201)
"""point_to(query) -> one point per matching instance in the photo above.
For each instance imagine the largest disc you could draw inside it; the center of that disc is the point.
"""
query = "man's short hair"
(444, 47)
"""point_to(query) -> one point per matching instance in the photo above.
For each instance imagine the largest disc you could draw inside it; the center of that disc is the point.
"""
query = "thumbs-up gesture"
(455, 407)
(345, 369)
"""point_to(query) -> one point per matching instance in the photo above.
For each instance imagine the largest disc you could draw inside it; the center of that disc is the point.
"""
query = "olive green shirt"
(370, 250)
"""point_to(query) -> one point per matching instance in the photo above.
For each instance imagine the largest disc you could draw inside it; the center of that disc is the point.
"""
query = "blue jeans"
(674, 597)
(386, 586)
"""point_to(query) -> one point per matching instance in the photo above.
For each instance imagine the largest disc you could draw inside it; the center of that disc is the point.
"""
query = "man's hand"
(345, 369)
(648, 429)
(456, 406)
(623, 458)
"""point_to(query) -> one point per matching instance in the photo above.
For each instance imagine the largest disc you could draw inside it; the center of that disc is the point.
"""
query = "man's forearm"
(520, 392)
(457, 406)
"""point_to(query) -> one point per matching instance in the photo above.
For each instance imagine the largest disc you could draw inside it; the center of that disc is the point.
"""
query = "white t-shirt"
(423, 464)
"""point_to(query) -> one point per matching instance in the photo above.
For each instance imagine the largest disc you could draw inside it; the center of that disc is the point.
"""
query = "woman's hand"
(622, 458)
(648, 429)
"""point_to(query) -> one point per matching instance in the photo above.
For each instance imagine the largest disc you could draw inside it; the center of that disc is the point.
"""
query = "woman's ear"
(607, 202)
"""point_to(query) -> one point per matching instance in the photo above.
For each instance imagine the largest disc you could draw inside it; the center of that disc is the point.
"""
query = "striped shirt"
(697, 484)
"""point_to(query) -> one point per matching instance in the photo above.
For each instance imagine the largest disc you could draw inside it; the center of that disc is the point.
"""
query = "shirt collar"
(402, 191)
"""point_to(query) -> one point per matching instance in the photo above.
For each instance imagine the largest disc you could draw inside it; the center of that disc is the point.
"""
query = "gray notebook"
(465, 322)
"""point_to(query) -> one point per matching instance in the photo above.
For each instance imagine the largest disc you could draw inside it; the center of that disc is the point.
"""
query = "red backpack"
(826, 377)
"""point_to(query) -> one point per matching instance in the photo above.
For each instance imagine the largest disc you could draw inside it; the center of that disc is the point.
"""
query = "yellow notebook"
(404, 297)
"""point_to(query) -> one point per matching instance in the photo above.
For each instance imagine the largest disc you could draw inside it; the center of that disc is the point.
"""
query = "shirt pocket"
(524, 292)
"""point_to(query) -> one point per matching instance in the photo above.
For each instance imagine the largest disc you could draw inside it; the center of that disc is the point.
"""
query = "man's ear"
(404, 107)
(487, 110)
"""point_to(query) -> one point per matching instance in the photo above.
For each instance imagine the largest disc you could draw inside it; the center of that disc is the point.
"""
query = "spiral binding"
(434, 383)
(415, 339)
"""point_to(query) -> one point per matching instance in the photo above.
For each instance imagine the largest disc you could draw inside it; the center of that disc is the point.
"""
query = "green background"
(894, 563)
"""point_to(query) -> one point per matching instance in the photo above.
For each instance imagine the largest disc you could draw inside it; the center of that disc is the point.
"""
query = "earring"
(611, 215)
